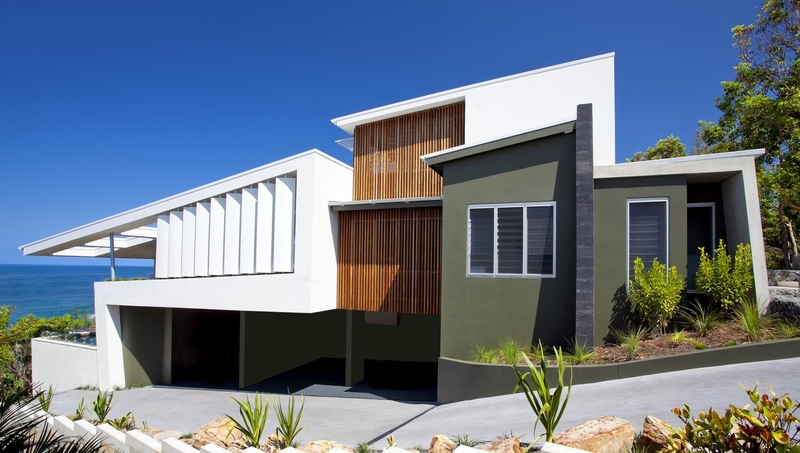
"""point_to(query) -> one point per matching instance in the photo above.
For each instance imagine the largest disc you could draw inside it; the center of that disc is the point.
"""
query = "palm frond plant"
(699, 318)
(579, 351)
(23, 429)
(254, 418)
(548, 407)
(289, 422)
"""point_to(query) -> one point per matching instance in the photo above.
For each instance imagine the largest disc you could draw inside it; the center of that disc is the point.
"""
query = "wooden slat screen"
(390, 260)
(386, 161)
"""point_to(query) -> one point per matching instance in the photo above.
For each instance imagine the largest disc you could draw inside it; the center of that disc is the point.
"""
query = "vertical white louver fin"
(187, 254)
(162, 247)
(216, 237)
(283, 244)
(233, 217)
(175, 243)
(202, 226)
(247, 240)
(265, 213)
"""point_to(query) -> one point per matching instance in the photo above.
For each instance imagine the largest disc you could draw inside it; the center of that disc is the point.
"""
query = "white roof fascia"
(703, 163)
(142, 232)
(458, 152)
(348, 123)
(147, 214)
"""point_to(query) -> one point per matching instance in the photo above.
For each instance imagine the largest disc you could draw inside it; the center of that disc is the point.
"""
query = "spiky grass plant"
(748, 316)
(787, 329)
(630, 339)
(699, 318)
(678, 337)
(482, 354)
(548, 407)
(465, 440)
(539, 352)
(510, 350)
(362, 447)
(46, 397)
(579, 351)
(254, 418)
(289, 421)
(102, 405)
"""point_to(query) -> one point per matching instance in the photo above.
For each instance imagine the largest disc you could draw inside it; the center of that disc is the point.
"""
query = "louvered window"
(648, 232)
(512, 240)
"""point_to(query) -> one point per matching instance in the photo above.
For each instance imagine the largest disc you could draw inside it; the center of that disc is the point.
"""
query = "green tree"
(760, 108)
(656, 292)
(664, 149)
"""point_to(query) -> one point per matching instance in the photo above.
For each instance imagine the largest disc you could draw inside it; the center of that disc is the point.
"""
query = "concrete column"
(110, 367)
(584, 226)
(354, 362)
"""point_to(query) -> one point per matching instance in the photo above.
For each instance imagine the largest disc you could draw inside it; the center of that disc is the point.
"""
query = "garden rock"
(655, 433)
(221, 432)
(160, 434)
(441, 444)
(322, 446)
(501, 446)
(606, 434)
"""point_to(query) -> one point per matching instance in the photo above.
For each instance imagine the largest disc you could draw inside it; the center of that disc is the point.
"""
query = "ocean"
(53, 290)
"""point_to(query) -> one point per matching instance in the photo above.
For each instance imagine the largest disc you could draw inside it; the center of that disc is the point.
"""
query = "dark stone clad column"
(584, 226)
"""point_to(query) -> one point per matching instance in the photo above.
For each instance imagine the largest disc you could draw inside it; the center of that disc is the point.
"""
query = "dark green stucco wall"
(142, 344)
(483, 310)
(610, 216)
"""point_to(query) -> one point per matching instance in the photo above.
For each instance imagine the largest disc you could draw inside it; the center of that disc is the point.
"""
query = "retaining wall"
(62, 364)
(461, 380)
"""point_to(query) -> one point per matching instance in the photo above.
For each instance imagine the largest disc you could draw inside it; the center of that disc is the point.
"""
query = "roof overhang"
(436, 160)
(131, 240)
(387, 203)
(698, 169)
(348, 123)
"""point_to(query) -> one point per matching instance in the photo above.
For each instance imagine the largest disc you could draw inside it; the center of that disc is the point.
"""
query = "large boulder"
(441, 444)
(606, 434)
(655, 433)
(322, 446)
(510, 445)
(221, 432)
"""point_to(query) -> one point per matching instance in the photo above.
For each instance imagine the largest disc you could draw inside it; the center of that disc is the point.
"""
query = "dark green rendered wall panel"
(142, 344)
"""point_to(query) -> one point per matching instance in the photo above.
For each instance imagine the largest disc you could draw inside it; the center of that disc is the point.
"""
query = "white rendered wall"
(498, 109)
(264, 223)
(162, 246)
(216, 237)
(283, 234)
(188, 248)
(233, 218)
(202, 226)
(175, 243)
(64, 365)
(247, 237)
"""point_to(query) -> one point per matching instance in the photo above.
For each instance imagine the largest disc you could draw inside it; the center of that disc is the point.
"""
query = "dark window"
(647, 232)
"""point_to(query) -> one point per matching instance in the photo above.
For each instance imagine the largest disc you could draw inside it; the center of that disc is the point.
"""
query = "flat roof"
(689, 165)
(349, 122)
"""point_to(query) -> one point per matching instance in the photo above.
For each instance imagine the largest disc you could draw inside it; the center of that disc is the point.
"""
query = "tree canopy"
(664, 149)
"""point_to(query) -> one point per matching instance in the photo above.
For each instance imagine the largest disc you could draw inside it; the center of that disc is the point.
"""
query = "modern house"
(487, 211)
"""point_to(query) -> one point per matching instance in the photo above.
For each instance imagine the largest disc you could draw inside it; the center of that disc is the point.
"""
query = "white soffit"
(435, 160)
(134, 222)
(702, 163)
(348, 123)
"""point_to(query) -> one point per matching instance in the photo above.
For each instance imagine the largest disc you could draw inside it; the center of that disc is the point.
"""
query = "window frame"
(524, 206)
(628, 203)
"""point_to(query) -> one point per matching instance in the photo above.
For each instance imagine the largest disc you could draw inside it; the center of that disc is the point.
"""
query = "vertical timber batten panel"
(390, 260)
(386, 153)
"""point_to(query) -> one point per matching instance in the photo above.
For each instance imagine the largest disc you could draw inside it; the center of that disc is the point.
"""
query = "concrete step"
(784, 291)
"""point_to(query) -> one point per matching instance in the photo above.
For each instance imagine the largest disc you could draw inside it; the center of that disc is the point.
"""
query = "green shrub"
(726, 283)
(289, 422)
(656, 292)
(728, 344)
(699, 318)
(254, 418)
(510, 350)
(700, 345)
(770, 426)
(578, 351)
(548, 407)
(630, 339)
(482, 354)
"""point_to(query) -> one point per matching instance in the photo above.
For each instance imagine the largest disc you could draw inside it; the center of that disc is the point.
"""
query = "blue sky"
(105, 106)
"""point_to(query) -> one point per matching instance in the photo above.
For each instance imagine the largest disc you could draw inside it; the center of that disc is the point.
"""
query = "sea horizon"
(46, 290)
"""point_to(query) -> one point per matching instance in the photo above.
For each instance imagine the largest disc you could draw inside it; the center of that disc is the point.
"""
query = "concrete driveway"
(349, 420)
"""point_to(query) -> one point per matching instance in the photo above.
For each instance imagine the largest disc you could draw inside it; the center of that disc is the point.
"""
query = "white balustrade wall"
(243, 232)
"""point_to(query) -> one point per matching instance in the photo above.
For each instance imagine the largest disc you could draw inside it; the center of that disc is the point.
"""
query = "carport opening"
(205, 348)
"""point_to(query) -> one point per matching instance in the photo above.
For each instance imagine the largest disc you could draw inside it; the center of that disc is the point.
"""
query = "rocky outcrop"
(655, 433)
(781, 275)
(441, 444)
(220, 431)
(322, 446)
(501, 446)
(604, 435)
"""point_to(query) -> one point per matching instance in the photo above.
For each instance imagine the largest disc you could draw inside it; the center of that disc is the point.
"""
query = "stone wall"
(782, 275)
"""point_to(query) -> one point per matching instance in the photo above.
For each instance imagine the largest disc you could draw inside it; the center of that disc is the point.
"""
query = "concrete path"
(349, 420)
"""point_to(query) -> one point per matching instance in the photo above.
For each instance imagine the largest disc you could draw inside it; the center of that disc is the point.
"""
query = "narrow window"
(540, 240)
(647, 232)
(509, 240)
(481, 241)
